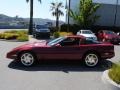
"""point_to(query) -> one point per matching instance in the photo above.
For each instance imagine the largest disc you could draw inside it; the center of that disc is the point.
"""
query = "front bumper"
(107, 55)
(11, 55)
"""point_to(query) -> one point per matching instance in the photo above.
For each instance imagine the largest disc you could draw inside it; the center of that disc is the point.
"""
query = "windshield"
(55, 41)
(87, 32)
(41, 27)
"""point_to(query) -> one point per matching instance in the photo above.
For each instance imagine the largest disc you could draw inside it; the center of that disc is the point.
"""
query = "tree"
(57, 12)
(31, 16)
(86, 16)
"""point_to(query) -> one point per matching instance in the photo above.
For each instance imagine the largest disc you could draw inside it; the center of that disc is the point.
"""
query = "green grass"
(114, 73)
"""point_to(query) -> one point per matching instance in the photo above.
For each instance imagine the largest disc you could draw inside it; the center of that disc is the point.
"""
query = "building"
(109, 12)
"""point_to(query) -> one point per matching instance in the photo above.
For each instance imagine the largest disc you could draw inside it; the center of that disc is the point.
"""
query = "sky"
(21, 8)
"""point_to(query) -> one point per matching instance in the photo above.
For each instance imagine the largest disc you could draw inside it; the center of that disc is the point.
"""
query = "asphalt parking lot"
(56, 76)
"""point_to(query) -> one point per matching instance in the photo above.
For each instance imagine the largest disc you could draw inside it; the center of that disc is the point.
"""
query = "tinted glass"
(87, 32)
(89, 41)
(41, 27)
(55, 41)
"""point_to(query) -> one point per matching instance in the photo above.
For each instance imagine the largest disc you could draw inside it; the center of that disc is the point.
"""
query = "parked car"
(76, 48)
(108, 36)
(87, 33)
(41, 31)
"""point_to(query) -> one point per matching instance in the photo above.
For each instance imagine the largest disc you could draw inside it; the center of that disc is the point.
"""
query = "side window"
(81, 41)
(70, 41)
(80, 31)
(90, 42)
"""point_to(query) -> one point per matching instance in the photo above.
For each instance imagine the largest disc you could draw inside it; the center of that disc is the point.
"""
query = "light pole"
(116, 12)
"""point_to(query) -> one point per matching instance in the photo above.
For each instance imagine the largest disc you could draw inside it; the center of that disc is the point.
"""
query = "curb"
(108, 82)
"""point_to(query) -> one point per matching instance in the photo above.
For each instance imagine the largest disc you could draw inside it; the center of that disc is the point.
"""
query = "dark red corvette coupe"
(63, 48)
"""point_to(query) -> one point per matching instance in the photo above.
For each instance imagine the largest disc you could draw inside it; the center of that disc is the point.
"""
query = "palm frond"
(60, 4)
(40, 1)
(60, 13)
(54, 13)
(52, 7)
(27, 0)
(53, 4)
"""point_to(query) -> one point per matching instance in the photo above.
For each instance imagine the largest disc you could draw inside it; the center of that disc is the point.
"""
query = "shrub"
(15, 34)
(65, 33)
(11, 31)
(56, 34)
(114, 73)
(21, 32)
(22, 38)
(17, 31)
(10, 36)
(2, 35)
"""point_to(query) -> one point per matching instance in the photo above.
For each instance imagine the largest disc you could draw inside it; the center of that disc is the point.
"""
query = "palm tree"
(57, 12)
(31, 16)
(69, 5)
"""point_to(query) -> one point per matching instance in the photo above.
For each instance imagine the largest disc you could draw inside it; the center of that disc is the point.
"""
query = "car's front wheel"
(27, 59)
(91, 59)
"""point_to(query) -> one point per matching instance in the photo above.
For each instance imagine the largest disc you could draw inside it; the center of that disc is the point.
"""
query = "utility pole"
(116, 13)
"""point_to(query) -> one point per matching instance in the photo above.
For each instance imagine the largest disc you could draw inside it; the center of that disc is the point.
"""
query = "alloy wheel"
(27, 59)
(91, 60)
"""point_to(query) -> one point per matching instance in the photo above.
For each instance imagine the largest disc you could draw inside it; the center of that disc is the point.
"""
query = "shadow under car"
(62, 66)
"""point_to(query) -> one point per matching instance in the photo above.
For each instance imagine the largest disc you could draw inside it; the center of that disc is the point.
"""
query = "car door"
(67, 49)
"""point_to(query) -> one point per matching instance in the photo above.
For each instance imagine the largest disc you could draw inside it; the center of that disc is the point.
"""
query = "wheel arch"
(91, 51)
(25, 51)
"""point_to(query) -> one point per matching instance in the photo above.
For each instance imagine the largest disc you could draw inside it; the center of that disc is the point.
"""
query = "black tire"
(27, 59)
(91, 59)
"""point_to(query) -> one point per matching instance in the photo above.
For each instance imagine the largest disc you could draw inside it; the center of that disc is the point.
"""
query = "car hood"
(88, 35)
(33, 44)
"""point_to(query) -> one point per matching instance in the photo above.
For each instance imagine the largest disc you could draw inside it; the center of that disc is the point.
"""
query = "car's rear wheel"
(27, 59)
(91, 59)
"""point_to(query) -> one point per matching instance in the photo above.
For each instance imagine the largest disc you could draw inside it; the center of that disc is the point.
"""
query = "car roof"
(85, 30)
